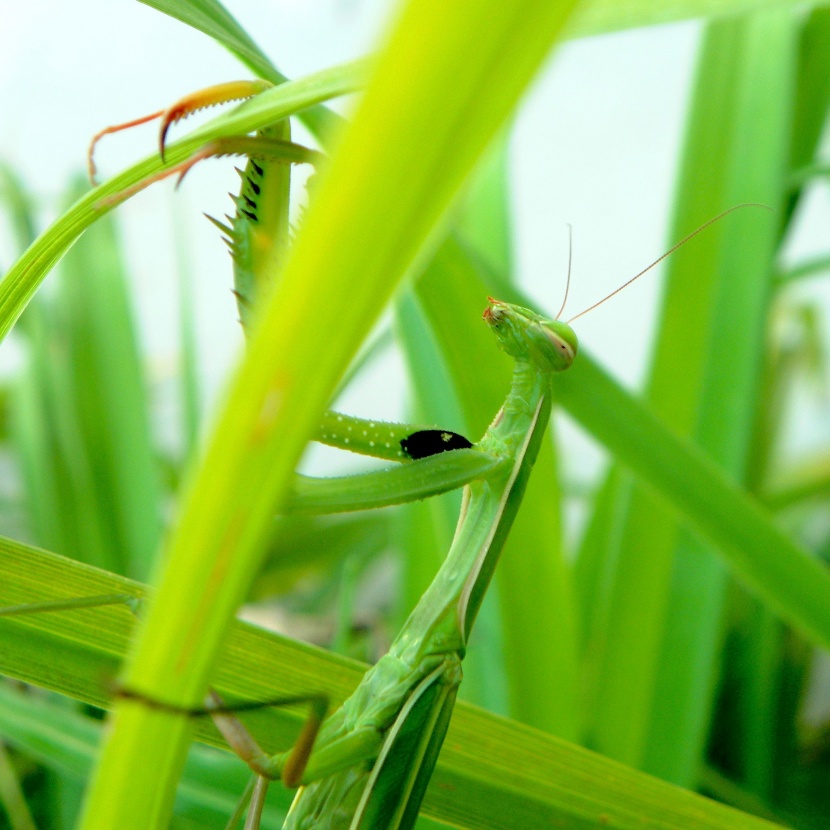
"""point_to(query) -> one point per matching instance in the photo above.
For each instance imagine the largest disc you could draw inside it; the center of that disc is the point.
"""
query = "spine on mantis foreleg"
(258, 234)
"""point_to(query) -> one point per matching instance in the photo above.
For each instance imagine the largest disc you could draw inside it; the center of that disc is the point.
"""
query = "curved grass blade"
(783, 575)
(492, 773)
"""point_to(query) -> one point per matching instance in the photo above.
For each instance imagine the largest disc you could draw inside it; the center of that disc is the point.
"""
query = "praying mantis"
(371, 761)
(373, 758)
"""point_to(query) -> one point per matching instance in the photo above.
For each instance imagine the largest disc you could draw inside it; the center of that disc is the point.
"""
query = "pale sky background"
(596, 146)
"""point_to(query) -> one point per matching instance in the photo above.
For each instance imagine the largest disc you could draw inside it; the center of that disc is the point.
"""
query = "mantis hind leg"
(287, 766)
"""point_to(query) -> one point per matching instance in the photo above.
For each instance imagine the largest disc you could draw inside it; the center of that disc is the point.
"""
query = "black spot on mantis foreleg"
(428, 442)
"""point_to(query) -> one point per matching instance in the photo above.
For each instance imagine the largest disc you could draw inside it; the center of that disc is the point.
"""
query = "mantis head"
(550, 345)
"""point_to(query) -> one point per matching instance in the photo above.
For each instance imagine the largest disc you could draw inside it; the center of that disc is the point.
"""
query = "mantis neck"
(444, 616)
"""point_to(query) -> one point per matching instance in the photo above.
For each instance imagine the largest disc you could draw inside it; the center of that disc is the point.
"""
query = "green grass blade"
(595, 564)
(732, 381)
(783, 575)
(60, 485)
(601, 16)
(80, 416)
(108, 398)
(189, 358)
(492, 773)
(484, 220)
(812, 90)
(11, 795)
(18, 203)
(707, 362)
(638, 601)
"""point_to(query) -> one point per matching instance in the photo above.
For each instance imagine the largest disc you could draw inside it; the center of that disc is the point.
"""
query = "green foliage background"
(677, 637)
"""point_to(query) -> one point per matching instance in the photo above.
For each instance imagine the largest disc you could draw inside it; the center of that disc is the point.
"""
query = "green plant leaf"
(493, 773)
(601, 16)
(783, 575)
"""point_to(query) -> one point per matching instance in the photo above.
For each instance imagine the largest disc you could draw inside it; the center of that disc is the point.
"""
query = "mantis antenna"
(668, 253)
(568, 280)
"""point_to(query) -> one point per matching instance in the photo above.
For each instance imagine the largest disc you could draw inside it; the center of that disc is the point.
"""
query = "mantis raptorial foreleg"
(257, 236)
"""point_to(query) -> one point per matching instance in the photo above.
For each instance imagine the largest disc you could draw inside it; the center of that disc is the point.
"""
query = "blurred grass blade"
(483, 222)
(492, 772)
(385, 184)
(811, 99)
(602, 16)
(19, 205)
(80, 418)
(754, 170)
(595, 564)
(108, 398)
(189, 384)
(666, 611)
(783, 575)
(629, 647)
(59, 482)
(11, 795)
